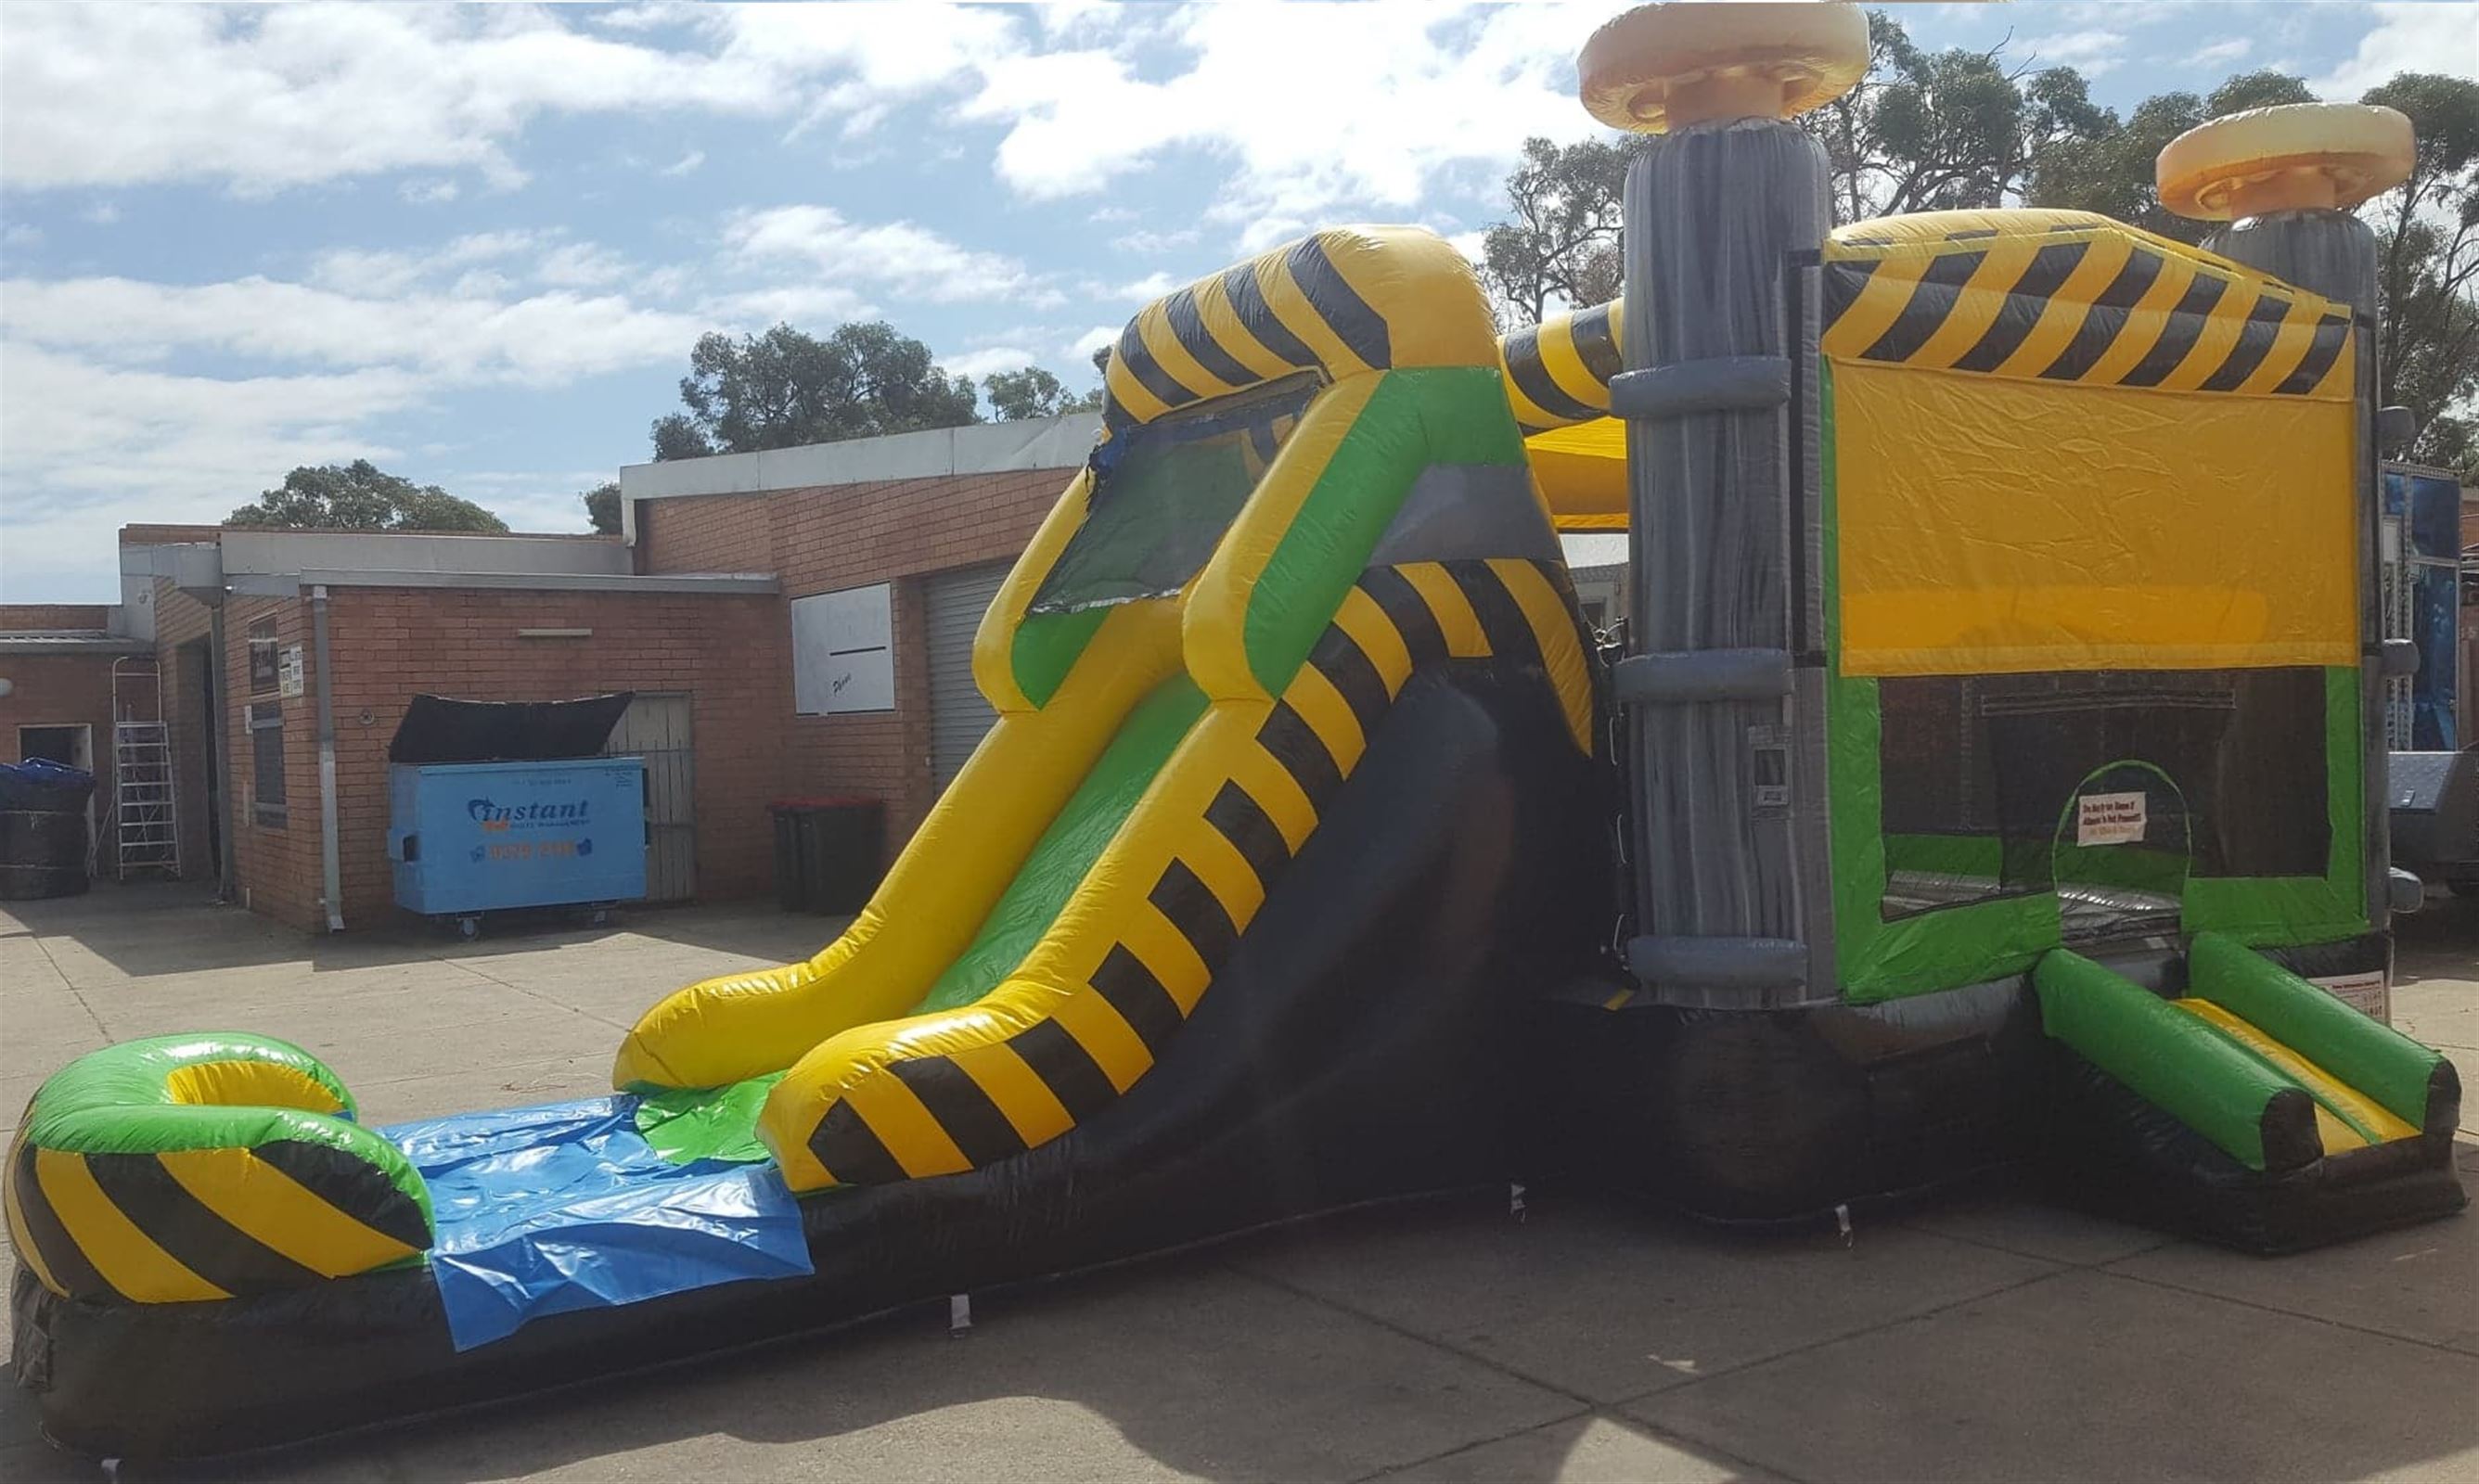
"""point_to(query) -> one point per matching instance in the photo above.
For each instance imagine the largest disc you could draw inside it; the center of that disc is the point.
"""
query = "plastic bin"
(43, 842)
(829, 852)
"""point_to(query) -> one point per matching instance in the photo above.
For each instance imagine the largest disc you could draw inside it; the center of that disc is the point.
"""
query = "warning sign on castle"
(2108, 819)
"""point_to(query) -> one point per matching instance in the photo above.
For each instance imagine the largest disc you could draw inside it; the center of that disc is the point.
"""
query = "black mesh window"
(1163, 495)
(2110, 788)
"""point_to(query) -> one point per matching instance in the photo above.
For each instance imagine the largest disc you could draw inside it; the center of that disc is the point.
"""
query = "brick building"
(796, 621)
(60, 663)
(934, 518)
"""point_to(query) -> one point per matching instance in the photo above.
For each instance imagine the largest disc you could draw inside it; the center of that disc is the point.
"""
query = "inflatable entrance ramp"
(1289, 810)
(2252, 1107)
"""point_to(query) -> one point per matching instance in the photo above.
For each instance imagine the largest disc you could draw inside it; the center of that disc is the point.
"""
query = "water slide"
(1189, 662)
(1289, 809)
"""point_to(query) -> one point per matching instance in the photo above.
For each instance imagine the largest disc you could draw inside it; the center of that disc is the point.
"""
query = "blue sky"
(475, 243)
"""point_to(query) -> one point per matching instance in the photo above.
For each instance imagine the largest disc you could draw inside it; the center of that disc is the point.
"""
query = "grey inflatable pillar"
(1726, 776)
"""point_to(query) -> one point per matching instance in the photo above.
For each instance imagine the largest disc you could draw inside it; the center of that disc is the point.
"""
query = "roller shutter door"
(954, 603)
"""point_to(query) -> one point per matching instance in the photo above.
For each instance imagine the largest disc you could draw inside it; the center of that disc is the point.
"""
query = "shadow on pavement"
(146, 929)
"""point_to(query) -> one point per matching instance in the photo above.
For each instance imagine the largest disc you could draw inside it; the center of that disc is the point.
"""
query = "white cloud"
(428, 192)
(684, 164)
(580, 265)
(378, 273)
(909, 259)
(544, 501)
(1144, 290)
(2221, 54)
(266, 98)
(977, 363)
(262, 99)
(2407, 38)
(102, 214)
(81, 437)
(2093, 52)
(1395, 85)
(1099, 337)
(543, 340)
(800, 305)
(1148, 243)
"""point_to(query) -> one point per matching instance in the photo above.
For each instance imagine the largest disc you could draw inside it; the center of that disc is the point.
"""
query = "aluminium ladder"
(145, 828)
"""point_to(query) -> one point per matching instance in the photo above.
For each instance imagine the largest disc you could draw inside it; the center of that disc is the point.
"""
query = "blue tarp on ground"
(565, 1206)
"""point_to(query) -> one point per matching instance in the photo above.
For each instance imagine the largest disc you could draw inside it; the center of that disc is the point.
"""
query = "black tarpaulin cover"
(442, 729)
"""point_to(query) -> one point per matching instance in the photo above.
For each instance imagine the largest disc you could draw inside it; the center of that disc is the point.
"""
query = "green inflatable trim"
(2364, 1053)
(1046, 649)
(1067, 850)
(1978, 942)
(117, 1101)
(686, 1124)
(2170, 1058)
(1413, 420)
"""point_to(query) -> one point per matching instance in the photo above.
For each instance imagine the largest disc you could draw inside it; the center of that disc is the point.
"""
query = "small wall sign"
(2109, 818)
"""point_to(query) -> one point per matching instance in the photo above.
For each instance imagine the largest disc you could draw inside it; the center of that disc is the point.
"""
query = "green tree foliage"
(603, 507)
(360, 496)
(1925, 131)
(1018, 396)
(784, 388)
(1564, 241)
(2427, 270)
(2110, 172)
(1944, 131)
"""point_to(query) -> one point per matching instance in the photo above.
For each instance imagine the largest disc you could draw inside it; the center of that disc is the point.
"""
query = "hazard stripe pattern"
(1273, 300)
(193, 1224)
(1520, 613)
(1558, 371)
(2096, 306)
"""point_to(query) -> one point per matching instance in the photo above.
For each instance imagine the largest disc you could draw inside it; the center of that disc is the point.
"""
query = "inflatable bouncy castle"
(1983, 778)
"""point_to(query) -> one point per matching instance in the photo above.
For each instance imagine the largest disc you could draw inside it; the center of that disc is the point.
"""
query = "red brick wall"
(388, 643)
(156, 535)
(846, 535)
(23, 618)
(275, 865)
(62, 690)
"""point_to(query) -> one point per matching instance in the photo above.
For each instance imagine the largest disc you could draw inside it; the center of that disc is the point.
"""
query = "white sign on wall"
(2366, 993)
(842, 654)
(2108, 819)
(288, 671)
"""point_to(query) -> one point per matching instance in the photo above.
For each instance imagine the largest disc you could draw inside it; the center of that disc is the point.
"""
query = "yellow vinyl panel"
(994, 641)
(249, 1084)
(127, 1258)
(2331, 1092)
(1553, 623)
(1989, 525)
(1030, 1108)
(273, 1209)
(1217, 611)
(1583, 474)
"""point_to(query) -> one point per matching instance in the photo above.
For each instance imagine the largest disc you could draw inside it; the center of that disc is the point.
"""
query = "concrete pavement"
(1989, 1337)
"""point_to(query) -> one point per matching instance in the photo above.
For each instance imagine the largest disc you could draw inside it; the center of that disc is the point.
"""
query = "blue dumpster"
(495, 805)
(476, 837)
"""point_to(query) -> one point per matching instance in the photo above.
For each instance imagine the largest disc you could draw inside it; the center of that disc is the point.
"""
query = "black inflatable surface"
(1354, 1048)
